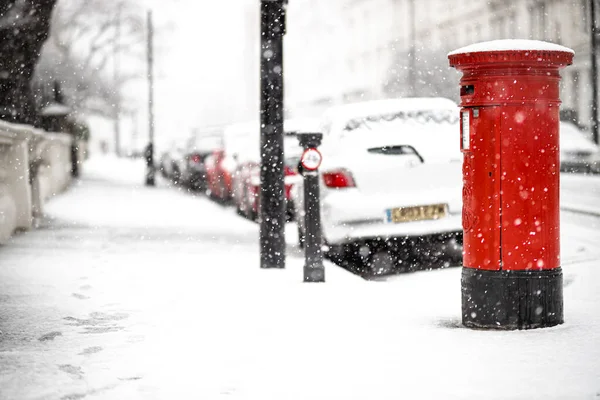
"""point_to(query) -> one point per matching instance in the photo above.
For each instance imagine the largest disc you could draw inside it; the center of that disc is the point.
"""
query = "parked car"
(246, 186)
(222, 163)
(418, 114)
(199, 147)
(219, 171)
(169, 162)
(578, 153)
(391, 179)
(246, 177)
(163, 161)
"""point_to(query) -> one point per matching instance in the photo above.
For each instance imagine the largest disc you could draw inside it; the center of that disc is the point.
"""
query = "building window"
(495, 28)
(512, 25)
(585, 12)
(537, 15)
(575, 89)
(477, 32)
(557, 33)
(498, 28)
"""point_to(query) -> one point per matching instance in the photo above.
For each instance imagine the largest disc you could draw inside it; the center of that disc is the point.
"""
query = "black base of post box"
(512, 299)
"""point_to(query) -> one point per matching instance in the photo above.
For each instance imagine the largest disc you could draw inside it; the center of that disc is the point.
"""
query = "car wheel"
(176, 177)
(404, 258)
(453, 249)
(239, 211)
(382, 262)
(252, 215)
(337, 253)
(194, 184)
(349, 256)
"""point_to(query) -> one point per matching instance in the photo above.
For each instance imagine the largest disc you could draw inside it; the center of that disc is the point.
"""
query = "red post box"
(512, 278)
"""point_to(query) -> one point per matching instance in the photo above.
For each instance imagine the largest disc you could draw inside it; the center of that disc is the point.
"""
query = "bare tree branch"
(83, 42)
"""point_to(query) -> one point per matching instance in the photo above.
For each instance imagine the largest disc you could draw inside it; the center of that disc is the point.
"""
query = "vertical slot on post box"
(466, 130)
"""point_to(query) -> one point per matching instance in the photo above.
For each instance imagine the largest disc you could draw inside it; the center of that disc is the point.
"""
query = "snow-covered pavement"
(128, 292)
(580, 193)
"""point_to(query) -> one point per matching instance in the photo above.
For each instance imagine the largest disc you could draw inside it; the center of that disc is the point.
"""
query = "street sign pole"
(594, 70)
(314, 271)
(272, 189)
(149, 153)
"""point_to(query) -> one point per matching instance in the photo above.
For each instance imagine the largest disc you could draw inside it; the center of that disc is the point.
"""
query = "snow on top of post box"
(511, 45)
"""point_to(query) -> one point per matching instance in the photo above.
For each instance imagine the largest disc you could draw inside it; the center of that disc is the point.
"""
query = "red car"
(246, 180)
(219, 174)
(221, 165)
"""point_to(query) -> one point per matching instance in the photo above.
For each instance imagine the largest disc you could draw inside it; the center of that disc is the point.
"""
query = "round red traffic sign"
(311, 159)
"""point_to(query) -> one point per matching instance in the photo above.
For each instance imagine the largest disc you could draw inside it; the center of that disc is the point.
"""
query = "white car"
(390, 181)
(431, 117)
(578, 153)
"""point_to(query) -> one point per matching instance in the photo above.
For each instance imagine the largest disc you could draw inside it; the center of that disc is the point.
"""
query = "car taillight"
(287, 171)
(339, 178)
(195, 158)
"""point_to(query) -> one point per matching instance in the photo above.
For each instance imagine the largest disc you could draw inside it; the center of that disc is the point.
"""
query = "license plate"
(416, 213)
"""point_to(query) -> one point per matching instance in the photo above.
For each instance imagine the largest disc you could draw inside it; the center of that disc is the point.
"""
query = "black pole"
(272, 190)
(314, 271)
(594, 60)
(150, 168)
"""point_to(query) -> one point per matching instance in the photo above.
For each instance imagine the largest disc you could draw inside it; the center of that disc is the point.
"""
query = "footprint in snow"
(90, 350)
(49, 336)
(71, 370)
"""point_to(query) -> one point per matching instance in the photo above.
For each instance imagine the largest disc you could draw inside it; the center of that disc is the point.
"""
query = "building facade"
(340, 51)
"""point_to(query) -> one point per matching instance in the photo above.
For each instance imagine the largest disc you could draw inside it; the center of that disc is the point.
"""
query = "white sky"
(198, 68)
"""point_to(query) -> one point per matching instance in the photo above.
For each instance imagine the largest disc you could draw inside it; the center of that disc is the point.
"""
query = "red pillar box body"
(512, 277)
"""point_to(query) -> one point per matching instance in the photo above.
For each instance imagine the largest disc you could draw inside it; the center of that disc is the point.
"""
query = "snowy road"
(135, 293)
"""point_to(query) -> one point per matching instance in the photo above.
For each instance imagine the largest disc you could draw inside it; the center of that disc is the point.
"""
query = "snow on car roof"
(291, 125)
(243, 139)
(510, 44)
(402, 118)
(378, 107)
(242, 129)
(55, 109)
(207, 143)
(306, 125)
